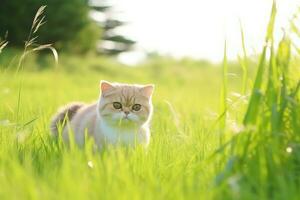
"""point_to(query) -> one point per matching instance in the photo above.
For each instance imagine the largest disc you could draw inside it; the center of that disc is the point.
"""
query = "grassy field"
(211, 138)
(34, 166)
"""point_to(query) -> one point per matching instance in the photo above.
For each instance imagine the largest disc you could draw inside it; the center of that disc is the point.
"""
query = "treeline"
(70, 25)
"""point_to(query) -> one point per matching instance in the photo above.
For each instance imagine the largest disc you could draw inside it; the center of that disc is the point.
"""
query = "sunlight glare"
(198, 28)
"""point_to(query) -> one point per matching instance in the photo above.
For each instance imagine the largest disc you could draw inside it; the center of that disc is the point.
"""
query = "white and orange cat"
(121, 116)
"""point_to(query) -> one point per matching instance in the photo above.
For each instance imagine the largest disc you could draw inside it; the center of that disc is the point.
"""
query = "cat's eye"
(136, 107)
(117, 105)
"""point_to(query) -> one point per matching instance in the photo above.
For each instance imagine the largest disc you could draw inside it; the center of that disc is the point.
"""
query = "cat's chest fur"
(111, 135)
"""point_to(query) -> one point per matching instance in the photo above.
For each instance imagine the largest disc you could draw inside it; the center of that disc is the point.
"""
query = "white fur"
(104, 133)
(114, 135)
(129, 137)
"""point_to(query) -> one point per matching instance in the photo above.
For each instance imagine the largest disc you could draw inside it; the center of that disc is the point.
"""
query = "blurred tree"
(68, 24)
(112, 43)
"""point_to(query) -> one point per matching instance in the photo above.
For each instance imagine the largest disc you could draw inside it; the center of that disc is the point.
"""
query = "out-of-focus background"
(132, 30)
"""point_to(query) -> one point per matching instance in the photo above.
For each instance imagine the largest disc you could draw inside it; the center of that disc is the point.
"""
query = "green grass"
(258, 156)
(34, 166)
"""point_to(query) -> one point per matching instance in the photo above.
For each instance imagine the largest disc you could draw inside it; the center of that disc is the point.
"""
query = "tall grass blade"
(223, 106)
(3, 44)
(244, 61)
(256, 94)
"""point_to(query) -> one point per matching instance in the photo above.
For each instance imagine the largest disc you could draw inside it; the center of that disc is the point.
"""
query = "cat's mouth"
(126, 121)
(126, 118)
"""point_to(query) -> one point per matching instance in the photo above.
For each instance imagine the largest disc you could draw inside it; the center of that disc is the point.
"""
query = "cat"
(121, 116)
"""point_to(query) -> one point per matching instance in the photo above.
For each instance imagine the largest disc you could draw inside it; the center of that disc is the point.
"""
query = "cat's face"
(125, 105)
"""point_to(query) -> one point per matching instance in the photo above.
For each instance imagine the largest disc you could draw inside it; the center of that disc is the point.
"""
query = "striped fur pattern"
(63, 115)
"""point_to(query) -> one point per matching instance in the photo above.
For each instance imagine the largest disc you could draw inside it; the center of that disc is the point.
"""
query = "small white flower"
(90, 164)
(289, 150)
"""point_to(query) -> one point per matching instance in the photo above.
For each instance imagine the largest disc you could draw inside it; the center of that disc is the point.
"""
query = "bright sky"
(198, 28)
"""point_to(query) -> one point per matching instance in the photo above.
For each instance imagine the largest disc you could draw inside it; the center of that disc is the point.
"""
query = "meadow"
(219, 131)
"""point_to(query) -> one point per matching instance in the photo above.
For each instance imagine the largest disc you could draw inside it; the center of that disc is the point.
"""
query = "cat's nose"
(126, 112)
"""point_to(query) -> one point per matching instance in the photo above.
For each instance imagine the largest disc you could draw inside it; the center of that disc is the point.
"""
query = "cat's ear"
(105, 86)
(147, 90)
